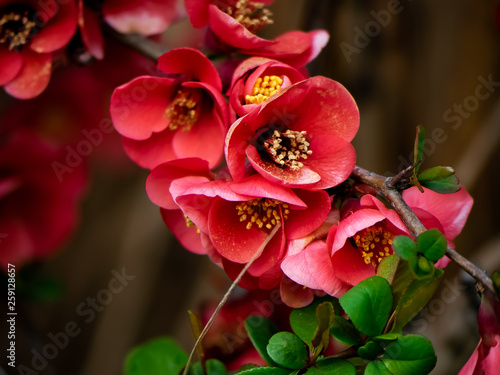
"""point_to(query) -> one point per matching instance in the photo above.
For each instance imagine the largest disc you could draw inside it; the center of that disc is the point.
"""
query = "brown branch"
(393, 196)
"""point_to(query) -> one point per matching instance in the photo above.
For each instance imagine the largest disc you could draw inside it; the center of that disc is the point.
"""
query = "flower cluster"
(267, 151)
(33, 34)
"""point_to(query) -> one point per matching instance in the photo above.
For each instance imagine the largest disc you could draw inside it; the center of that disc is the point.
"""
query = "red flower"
(30, 31)
(300, 138)
(364, 235)
(37, 211)
(234, 24)
(158, 188)
(239, 217)
(163, 119)
(486, 358)
(257, 79)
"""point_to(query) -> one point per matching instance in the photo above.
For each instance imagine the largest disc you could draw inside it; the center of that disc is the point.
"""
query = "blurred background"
(406, 63)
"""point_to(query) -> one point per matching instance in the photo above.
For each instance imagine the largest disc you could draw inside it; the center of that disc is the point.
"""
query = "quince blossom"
(163, 118)
(257, 79)
(300, 138)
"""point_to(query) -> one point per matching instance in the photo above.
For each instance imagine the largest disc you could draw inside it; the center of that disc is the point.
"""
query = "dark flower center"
(374, 243)
(250, 14)
(262, 212)
(17, 26)
(184, 108)
(285, 148)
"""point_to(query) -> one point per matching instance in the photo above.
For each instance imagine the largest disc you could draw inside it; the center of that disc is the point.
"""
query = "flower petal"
(33, 77)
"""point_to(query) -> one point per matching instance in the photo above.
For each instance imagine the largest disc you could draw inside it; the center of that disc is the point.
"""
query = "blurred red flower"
(30, 32)
(38, 212)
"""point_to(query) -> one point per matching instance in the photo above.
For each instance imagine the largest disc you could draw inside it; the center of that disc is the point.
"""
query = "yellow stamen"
(263, 89)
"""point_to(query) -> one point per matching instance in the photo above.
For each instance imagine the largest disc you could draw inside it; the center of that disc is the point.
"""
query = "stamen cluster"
(252, 15)
(184, 109)
(16, 29)
(287, 148)
(375, 244)
(262, 212)
(263, 89)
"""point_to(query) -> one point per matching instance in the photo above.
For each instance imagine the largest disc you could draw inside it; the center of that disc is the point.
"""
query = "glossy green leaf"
(260, 335)
(447, 185)
(266, 371)
(332, 366)
(403, 278)
(387, 267)
(324, 317)
(368, 304)
(304, 322)
(418, 152)
(387, 337)
(157, 357)
(432, 244)
(414, 298)
(344, 331)
(371, 350)
(213, 367)
(410, 355)
(435, 173)
(404, 246)
(376, 368)
(287, 350)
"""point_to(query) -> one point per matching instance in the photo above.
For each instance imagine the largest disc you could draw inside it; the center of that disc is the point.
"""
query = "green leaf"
(304, 322)
(387, 267)
(418, 152)
(376, 368)
(260, 335)
(447, 185)
(432, 244)
(404, 276)
(332, 366)
(410, 355)
(414, 298)
(371, 350)
(404, 246)
(266, 371)
(344, 331)
(387, 337)
(287, 350)
(435, 173)
(213, 367)
(324, 317)
(368, 304)
(157, 357)
(496, 281)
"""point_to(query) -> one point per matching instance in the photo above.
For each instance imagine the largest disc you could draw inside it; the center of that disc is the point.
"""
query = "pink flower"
(146, 17)
(299, 138)
(257, 79)
(239, 216)
(233, 24)
(158, 188)
(30, 32)
(364, 235)
(38, 212)
(486, 358)
(295, 48)
(163, 119)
